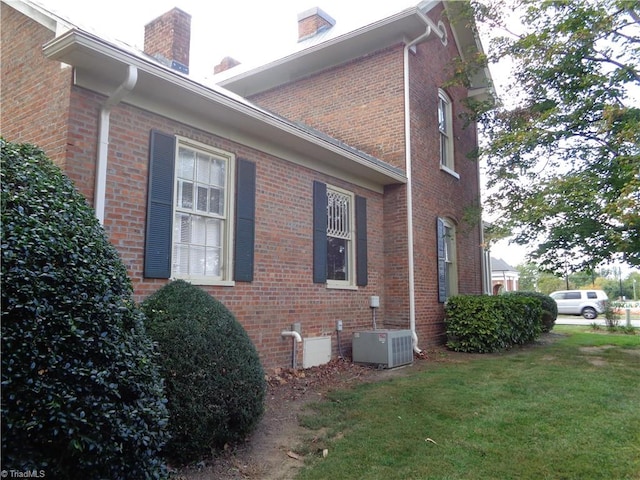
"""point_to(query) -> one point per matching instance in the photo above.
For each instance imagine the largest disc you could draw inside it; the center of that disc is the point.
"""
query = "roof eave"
(391, 30)
(101, 67)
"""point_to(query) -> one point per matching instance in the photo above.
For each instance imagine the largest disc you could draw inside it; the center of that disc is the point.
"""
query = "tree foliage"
(563, 155)
(82, 396)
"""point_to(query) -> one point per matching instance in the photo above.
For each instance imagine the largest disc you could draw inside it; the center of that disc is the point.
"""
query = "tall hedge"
(549, 308)
(487, 323)
(81, 395)
(215, 381)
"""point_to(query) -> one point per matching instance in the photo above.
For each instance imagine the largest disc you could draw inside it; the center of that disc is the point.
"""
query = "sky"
(249, 31)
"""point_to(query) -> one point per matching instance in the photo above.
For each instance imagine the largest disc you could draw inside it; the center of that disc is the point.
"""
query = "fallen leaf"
(294, 455)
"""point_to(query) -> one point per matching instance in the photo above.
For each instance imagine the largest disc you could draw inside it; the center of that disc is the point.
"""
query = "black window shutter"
(362, 277)
(319, 232)
(157, 250)
(245, 220)
(442, 267)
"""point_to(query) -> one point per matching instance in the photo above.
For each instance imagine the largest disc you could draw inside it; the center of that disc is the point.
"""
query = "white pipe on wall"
(99, 196)
(441, 33)
(292, 333)
(297, 339)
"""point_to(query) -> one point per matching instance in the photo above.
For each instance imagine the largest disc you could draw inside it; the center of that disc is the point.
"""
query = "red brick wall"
(360, 103)
(283, 291)
(436, 192)
(34, 90)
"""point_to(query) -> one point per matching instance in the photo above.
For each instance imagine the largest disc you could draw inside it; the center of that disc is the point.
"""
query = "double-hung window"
(200, 213)
(445, 129)
(340, 245)
(201, 217)
(447, 262)
(339, 237)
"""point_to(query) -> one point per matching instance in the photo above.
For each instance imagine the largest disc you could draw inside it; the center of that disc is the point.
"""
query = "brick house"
(295, 192)
(504, 277)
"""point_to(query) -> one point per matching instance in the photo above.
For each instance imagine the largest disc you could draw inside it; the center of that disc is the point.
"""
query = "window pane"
(213, 262)
(185, 195)
(202, 198)
(186, 162)
(199, 236)
(203, 168)
(182, 228)
(214, 232)
(218, 173)
(217, 201)
(442, 115)
(337, 258)
(180, 259)
(196, 260)
(444, 158)
(338, 215)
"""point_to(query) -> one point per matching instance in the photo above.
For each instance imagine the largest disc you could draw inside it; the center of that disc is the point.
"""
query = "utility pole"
(620, 280)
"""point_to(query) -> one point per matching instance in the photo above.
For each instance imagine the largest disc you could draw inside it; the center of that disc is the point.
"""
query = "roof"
(499, 265)
(335, 46)
(102, 65)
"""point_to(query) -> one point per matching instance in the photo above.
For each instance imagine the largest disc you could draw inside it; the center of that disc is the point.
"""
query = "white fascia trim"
(229, 99)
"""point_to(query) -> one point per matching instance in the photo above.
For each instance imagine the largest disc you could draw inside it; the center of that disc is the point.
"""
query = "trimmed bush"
(486, 323)
(214, 379)
(81, 395)
(549, 308)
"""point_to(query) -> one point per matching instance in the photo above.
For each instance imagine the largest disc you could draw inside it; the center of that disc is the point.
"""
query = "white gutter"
(99, 195)
(441, 33)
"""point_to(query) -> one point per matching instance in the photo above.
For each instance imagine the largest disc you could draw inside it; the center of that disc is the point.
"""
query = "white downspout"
(99, 195)
(441, 33)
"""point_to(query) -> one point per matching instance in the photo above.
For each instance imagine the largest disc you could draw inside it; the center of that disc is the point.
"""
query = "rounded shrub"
(81, 395)
(215, 382)
(549, 308)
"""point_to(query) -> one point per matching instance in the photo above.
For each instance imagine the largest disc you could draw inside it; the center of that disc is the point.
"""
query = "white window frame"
(445, 134)
(350, 281)
(226, 216)
(450, 257)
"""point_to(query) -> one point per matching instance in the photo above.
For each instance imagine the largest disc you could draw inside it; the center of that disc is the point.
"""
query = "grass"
(568, 410)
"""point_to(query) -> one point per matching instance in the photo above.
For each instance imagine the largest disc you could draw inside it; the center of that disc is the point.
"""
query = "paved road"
(571, 320)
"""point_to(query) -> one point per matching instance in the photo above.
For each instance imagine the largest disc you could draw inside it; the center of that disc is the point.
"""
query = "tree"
(563, 160)
(81, 394)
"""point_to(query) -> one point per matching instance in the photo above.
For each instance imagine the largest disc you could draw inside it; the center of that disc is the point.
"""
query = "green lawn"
(568, 410)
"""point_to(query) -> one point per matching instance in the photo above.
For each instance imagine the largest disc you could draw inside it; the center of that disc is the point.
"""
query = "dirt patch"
(631, 352)
(270, 452)
(594, 350)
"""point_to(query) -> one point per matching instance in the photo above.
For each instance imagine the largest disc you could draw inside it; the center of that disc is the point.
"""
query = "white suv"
(588, 303)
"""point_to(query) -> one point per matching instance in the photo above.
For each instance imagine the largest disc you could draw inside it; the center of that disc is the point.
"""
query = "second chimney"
(168, 38)
(225, 64)
(312, 22)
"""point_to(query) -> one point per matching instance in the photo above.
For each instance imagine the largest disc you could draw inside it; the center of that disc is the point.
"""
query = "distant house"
(504, 277)
(294, 192)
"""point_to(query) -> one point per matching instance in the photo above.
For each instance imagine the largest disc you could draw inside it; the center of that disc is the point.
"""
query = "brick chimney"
(312, 22)
(225, 64)
(168, 38)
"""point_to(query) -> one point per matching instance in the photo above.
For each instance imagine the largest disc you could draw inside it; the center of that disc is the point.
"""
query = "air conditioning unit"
(383, 348)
